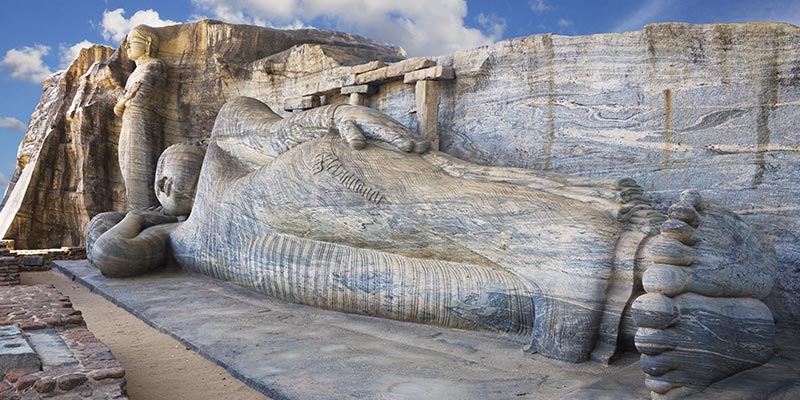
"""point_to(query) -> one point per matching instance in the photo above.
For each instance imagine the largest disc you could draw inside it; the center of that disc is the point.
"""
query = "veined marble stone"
(68, 167)
(674, 106)
(342, 207)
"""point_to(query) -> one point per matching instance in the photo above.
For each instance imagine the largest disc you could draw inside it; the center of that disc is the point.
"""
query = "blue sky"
(38, 37)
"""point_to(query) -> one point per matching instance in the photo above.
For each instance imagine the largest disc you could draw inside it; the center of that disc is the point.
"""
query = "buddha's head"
(176, 176)
(141, 43)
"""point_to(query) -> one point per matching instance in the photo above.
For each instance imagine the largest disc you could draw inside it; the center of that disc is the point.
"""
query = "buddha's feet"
(702, 318)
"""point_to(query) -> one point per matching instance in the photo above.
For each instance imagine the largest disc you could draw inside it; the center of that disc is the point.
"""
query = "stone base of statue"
(288, 351)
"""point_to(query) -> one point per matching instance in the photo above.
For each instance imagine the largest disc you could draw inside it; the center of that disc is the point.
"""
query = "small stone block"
(52, 349)
(107, 373)
(357, 99)
(370, 66)
(69, 381)
(375, 76)
(406, 66)
(437, 73)
(45, 385)
(31, 325)
(394, 71)
(14, 375)
(33, 261)
(301, 103)
(26, 382)
(15, 352)
(362, 89)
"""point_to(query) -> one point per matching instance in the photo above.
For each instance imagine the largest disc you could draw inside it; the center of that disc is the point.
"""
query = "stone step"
(15, 352)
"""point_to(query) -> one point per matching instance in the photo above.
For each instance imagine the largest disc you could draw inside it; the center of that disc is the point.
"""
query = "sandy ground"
(156, 365)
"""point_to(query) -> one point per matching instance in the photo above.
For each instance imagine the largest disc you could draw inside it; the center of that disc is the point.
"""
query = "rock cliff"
(59, 173)
(68, 169)
(674, 106)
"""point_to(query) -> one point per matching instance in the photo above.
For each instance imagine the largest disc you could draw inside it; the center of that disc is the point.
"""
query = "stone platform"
(46, 350)
(290, 351)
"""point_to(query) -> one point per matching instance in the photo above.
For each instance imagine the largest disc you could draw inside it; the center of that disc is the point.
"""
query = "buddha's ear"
(162, 186)
(149, 42)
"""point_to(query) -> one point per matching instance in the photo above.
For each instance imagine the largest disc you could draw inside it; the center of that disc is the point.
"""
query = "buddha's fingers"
(351, 133)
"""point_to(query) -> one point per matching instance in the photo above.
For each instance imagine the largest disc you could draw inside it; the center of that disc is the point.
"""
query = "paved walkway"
(290, 351)
(157, 367)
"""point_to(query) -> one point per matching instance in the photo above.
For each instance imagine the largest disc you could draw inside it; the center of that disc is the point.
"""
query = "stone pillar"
(357, 99)
(358, 93)
(428, 97)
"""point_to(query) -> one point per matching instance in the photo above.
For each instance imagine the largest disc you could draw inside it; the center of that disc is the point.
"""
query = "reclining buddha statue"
(343, 208)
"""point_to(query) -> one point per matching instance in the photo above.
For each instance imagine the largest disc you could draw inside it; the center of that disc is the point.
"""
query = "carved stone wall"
(674, 106)
(68, 168)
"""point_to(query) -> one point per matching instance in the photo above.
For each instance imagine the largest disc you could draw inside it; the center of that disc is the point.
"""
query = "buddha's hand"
(356, 124)
(119, 108)
(153, 216)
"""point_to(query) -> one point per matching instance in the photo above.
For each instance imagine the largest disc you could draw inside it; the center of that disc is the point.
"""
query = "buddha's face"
(135, 47)
(176, 180)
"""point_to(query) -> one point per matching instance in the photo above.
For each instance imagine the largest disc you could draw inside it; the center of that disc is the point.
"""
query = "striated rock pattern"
(370, 222)
(674, 106)
(142, 135)
(70, 147)
(702, 318)
(60, 175)
(289, 210)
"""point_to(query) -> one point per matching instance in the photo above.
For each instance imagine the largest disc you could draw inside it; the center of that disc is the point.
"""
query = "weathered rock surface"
(315, 353)
(47, 199)
(388, 229)
(70, 147)
(674, 106)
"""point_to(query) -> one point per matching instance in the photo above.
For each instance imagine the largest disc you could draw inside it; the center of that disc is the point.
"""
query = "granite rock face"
(68, 169)
(371, 222)
(674, 106)
(60, 176)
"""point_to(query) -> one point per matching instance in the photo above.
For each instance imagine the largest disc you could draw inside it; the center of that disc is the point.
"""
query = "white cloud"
(645, 14)
(538, 5)
(12, 124)
(419, 26)
(69, 54)
(26, 63)
(115, 26)
(564, 23)
(492, 24)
